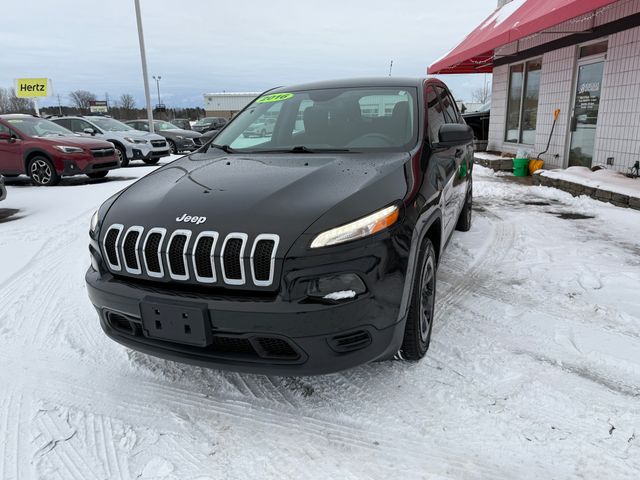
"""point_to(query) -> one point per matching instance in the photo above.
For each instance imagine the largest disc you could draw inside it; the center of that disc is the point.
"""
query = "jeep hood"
(271, 193)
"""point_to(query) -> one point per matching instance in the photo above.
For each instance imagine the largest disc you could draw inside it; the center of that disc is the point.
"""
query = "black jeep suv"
(309, 250)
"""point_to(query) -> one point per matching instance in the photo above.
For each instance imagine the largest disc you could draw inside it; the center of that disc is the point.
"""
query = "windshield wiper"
(224, 148)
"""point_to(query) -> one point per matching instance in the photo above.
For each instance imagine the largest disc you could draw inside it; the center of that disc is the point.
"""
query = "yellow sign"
(32, 87)
(275, 97)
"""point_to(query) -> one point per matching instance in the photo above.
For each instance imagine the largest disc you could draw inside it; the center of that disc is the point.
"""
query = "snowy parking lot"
(533, 371)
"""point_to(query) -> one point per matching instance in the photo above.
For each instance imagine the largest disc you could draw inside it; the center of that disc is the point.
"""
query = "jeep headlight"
(361, 228)
(94, 222)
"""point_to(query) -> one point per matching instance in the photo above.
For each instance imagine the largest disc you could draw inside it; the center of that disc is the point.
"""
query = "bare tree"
(18, 104)
(4, 100)
(481, 94)
(82, 98)
(127, 102)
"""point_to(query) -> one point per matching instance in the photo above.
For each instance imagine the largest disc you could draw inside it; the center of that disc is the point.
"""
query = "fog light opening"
(340, 287)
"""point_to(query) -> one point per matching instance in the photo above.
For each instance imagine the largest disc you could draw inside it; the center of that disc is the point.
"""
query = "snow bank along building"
(227, 104)
(579, 56)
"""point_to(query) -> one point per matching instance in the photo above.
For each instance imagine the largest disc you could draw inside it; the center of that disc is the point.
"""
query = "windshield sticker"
(275, 97)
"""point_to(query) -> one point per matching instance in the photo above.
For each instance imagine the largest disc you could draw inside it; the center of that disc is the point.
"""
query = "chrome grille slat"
(110, 247)
(129, 250)
(257, 272)
(162, 254)
(206, 257)
(243, 237)
(157, 252)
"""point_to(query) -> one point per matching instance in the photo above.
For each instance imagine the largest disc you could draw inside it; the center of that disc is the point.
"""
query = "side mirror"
(90, 131)
(454, 134)
(6, 136)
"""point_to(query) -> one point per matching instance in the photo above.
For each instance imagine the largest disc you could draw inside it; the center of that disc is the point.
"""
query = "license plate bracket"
(186, 323)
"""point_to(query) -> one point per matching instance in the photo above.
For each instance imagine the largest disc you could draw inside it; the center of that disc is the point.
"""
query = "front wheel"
(151, 161)
(122, 156)
(42, 172)
(464, 221)
(417, 332)
(173, 150)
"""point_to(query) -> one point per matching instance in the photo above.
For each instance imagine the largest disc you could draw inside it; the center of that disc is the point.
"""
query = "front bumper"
(308, 338)
(78, 164)
(147, 154)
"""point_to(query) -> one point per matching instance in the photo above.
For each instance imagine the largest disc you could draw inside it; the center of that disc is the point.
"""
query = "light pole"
(157, 79)
(143, 58)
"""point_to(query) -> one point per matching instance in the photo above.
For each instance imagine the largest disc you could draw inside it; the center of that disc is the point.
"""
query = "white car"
(131, 144)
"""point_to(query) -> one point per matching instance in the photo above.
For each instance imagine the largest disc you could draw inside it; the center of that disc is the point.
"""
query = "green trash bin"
(520, 167)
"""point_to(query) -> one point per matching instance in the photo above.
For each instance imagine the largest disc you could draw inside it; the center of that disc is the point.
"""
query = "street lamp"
(157, 79)
(143, 58)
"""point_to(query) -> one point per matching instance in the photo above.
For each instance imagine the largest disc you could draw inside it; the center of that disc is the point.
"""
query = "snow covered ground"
(604, 179)
(533, 372)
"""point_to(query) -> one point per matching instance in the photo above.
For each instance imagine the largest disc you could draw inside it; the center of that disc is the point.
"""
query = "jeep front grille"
(203, 259)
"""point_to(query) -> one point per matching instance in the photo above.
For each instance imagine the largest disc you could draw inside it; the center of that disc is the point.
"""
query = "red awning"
(515, 20)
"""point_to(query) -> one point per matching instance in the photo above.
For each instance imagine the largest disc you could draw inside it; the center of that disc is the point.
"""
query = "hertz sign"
(32, 87)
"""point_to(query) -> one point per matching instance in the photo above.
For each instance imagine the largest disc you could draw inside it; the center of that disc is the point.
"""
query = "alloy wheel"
(427, 298)
(41, 172)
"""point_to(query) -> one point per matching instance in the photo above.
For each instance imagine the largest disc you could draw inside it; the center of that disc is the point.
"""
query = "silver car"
(131, 144)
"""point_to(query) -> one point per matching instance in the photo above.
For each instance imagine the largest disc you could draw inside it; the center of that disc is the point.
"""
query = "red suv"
(46, 151)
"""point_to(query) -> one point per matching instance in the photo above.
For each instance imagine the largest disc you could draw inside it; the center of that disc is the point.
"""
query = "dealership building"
(227, 104)
(581, 57)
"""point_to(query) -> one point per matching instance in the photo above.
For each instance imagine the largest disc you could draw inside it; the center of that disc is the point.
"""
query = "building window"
(593, 49)
(522, 106)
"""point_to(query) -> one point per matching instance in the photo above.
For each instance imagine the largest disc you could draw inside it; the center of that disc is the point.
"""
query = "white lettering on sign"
(589, 87)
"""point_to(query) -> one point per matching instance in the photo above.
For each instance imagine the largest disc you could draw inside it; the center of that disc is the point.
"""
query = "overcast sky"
(200, 46)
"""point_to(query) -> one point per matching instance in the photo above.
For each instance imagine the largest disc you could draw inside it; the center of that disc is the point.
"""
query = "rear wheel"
(464, 221)
(122, 156)
(151, 161)
(417, 332)
(98, 174)
(42, 172)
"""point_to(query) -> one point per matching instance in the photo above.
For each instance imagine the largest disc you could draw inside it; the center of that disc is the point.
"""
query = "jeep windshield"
(110, 125)
(337, 119)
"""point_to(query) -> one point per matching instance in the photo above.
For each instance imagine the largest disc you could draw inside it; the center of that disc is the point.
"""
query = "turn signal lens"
(361, 228)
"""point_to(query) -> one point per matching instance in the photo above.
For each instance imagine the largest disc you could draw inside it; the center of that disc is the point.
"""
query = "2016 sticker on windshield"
(275, 97)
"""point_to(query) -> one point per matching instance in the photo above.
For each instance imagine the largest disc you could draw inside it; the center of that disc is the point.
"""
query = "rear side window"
(449, 106)
(65, 122)
(435, 113)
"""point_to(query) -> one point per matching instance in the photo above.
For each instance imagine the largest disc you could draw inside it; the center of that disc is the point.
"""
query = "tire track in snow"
(69, 386)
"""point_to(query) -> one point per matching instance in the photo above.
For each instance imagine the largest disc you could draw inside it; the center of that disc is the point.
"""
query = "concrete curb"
(577, 189)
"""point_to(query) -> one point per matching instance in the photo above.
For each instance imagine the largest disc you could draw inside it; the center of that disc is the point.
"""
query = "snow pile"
(502, 14)
(608, 180)
(342, 295)
(488, 156)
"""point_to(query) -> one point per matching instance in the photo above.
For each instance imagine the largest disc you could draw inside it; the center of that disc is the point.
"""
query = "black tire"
(98, 174)
(417, 331)
(122, 156)
(173, 150)
(42, 172)
(151, 161)
(464, 221)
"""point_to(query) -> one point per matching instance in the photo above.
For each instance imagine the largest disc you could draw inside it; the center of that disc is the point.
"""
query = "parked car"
(479, 123)
(3, 189)
(182, 123)
(46, 151)
(312, 251)
(179, 140)
(209, 123)
(130, 143)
